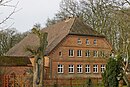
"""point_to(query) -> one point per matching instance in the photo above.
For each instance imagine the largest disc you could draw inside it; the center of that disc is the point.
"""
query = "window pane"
(60, 68)
(95, 42)
(102, 68)
(71, 68)
(95, 68)
(79, 53)
(87, 42)
(79, 41)
(87, 69)
(87, 54)
(79, 68)
(95, 53)
(71, 53)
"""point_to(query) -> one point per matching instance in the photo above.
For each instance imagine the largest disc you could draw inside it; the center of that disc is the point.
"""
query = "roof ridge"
(72, 24)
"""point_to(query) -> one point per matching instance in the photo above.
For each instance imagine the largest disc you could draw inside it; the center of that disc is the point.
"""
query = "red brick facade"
(60, 56)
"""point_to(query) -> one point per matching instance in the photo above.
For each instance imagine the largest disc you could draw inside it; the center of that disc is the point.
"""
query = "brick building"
(74, 50)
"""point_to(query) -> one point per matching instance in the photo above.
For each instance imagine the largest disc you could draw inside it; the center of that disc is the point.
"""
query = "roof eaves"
(87, 35)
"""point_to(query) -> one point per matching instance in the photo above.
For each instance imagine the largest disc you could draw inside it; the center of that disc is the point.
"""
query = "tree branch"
(14, 11)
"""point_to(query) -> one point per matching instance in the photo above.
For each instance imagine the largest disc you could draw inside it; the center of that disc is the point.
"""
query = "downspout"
(50, 64)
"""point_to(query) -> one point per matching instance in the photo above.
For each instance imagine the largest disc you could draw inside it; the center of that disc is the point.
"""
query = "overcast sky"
(33, 11)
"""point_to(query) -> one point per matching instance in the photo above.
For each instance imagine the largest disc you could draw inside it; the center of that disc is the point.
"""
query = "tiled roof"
(14, 61)
(56, 33)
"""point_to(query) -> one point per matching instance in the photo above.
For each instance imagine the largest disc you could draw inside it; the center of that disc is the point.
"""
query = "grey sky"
(33, 11)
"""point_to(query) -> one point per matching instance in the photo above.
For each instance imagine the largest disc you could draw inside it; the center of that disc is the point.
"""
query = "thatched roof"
(56, 33)
(14, 61)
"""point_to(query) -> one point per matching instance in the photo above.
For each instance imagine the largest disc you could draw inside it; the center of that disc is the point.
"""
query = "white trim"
(87, 68)
(87, 41)
(79, 41)
(95, 68)
(79, 53)
(61, 67)
(80, 68)
(102, 68)
(88, 53)
(70, 52)
(71, 67)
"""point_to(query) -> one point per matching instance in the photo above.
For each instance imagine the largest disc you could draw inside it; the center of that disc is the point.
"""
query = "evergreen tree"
(112, 72)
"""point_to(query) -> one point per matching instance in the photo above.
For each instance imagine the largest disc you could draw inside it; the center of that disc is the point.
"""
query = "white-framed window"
(95, 53)
(71, 53)
(87, 69)
(79, 41)
(87, 42)
(95, 42)
(102, 54)
(79, 53)
(60, 54)
(102, 68)
(87, 53)
(95, 68)
(60, 68)
(79, 68)
(71, 68)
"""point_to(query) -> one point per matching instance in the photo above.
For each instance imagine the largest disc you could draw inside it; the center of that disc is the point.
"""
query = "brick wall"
(70, 42)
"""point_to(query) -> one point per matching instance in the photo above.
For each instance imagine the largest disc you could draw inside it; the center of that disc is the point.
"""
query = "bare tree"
(8, 38)
(6, 3)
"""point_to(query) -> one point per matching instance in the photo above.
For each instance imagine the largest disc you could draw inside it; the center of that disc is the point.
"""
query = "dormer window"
(87, 42)
(79, 41)
(95, 42)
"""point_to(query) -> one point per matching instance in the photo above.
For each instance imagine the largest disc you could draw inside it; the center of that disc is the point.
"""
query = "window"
(71, 53)
(79, 41)
(102, 53)
(87, 54)
(87, 42)
(79, 68)
(60, 68)
(95, 53)
(95, 68)
(71, 68)
(95, 42)
(60, 54)
(87, 69)
(102, 68)
(79, 53)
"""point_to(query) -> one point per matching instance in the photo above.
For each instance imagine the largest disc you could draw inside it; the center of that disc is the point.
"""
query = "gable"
(56, 33)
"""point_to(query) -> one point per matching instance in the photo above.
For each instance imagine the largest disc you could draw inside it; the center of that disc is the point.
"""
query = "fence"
(72, 82)
(26, 81)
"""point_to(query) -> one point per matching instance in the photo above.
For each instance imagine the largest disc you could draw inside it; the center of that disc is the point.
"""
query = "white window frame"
(71, 53)
(79, 68)
(87, 69)
(60, 68)
(95, 53)
(87, 53)
(71, 68)
(87, 41)
(95, 68)
(79, 53)
(95, 41)
(102, 53)
(102, 68)
(79, 41)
